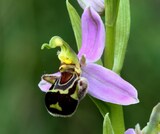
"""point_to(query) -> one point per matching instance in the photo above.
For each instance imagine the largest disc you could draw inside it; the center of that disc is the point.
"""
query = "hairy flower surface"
(102, 83)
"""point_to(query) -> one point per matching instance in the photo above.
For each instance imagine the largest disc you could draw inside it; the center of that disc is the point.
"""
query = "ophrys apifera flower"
(78, 74)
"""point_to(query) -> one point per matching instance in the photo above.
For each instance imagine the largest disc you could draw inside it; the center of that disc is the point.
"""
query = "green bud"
(153, 126)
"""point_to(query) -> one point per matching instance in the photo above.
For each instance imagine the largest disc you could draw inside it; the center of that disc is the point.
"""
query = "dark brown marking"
(65, 77)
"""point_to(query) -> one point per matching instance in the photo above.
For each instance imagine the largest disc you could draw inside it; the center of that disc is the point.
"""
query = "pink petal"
(107, 86)
(44, 85)
(93, 35)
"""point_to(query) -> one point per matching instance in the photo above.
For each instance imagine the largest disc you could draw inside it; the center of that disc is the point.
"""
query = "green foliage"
(121, 35)
(76, 23)
(107, 126)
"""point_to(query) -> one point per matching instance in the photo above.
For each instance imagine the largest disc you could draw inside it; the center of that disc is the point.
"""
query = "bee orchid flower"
(100, 82)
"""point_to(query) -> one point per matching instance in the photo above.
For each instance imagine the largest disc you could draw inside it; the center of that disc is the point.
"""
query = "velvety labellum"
(64, 95)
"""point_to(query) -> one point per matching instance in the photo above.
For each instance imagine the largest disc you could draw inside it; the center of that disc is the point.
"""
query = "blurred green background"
(26, 24)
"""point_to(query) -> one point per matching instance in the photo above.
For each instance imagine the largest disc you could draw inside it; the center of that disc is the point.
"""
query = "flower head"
(98, 81)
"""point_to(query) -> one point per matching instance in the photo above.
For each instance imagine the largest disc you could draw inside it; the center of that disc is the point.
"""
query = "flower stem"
(109, 51)
(117, 118)
(111, 12)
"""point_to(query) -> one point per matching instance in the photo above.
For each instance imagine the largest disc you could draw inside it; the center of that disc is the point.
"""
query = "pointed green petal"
(66, 55)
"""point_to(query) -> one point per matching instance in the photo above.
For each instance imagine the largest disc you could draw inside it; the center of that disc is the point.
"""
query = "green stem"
(111, 11)
(109, 50)
(117, 118)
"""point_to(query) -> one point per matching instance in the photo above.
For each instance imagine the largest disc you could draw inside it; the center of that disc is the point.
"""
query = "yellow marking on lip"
(74, 95)
(56, 106)
(61, 91)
